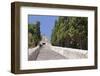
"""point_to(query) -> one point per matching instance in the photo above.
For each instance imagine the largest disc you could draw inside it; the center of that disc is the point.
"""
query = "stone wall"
(70, 53)
(33, 53)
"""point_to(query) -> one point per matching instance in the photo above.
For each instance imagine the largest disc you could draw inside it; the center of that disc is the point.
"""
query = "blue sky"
(46, 23)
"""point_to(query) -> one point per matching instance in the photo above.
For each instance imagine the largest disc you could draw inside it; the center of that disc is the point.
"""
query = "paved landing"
(47, 54)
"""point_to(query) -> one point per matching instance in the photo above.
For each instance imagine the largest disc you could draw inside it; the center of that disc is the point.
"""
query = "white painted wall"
(5, 33)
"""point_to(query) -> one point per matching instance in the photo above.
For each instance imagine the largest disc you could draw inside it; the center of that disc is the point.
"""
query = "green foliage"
(34, 35)
(70, 32)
